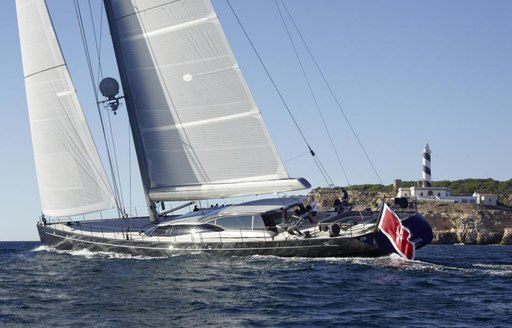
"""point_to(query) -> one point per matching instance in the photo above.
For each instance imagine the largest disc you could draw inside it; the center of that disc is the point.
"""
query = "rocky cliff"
(452, 223)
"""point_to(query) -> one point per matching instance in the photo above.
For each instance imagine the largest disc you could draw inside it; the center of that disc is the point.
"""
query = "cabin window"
(162, 231)
(180, 230)
(258, 223)
(271, 219)
(170, 231)
(235, 222)
(246, 222)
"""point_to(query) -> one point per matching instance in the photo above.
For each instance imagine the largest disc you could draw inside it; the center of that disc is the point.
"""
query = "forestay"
(201, 134)
(71, 177)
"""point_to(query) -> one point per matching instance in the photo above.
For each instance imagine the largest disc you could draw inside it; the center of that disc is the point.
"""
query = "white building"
(424, 192)
(486, 199)
(445, 194)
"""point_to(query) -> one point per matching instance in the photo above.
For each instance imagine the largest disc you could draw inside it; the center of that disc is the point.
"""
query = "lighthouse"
(426, 191)
(427, 179)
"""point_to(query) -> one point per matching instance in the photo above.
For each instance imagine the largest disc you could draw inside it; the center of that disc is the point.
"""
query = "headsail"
(71, 177)
(200, 133)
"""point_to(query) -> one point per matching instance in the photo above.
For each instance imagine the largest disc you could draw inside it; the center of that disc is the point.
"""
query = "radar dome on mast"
(109, 87)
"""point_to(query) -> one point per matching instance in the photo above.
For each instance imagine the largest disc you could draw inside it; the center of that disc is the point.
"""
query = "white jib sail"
(202, 133)
(71, 177)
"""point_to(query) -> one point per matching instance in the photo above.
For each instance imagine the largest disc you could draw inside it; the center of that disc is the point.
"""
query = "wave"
(473, 269)
(395, 261)
(100, 254)
(392, 259)
(494, 269)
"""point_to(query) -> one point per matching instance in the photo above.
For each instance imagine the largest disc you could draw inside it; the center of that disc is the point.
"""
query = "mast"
(132, 113)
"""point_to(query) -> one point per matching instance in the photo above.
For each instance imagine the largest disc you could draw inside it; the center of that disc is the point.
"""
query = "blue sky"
(405, 73)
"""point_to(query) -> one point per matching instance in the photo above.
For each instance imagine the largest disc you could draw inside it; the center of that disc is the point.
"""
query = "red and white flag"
(398, 235)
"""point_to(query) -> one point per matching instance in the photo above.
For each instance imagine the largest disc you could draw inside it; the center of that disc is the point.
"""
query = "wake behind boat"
(198, 134)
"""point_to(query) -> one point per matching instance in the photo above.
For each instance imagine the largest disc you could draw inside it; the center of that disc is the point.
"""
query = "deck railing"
(201, 237)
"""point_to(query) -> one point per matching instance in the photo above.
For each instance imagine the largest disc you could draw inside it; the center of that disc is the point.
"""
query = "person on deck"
(314, 209)
(337, 205)
(380, 205)
(344, 198)
(300, 210)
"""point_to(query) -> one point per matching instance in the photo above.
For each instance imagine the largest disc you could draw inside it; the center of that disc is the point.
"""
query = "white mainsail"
(70, 174)
(200, 131)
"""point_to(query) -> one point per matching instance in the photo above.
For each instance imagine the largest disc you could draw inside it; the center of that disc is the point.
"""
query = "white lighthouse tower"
(426, 176)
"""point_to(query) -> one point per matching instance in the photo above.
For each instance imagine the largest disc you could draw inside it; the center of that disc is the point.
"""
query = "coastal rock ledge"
(468, 223)
(451, 223)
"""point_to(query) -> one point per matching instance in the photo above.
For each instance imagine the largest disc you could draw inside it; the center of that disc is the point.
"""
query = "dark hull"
(312, 247)
(367, 245)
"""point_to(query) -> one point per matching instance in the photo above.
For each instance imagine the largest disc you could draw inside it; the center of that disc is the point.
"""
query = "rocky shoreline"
(451, 223)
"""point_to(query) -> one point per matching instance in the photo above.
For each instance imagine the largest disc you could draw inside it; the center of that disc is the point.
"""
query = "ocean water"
(447, 286)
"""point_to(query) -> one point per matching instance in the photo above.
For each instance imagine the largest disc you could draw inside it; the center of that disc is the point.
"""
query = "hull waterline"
(305, 247)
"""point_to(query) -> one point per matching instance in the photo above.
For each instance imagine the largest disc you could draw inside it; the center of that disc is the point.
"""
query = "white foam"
(41, 248)
(494, 269)
(90, 254)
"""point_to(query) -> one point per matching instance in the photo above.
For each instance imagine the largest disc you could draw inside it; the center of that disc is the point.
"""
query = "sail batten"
(70, 174)
(172, 28)
(195, 118)
(206, 121)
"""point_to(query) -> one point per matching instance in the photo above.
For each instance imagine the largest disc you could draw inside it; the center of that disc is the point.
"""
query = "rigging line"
(311, 91)
(88, 56)
(96, 42)
(333, 95)
(326, 176)
(100, 76)
(91, 74)
(115, 155)
(130, 169)
(120, 207)
(295, 157)
(270, 78)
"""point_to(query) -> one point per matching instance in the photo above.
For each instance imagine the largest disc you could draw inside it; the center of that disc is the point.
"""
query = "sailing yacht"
(198, 135)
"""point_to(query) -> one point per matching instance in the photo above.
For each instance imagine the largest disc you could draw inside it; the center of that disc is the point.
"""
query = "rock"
(445, 237)
(468, 238)
(488, 238)
(507, 237)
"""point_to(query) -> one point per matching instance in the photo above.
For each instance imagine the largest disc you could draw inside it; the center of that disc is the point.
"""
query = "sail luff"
(132, 113)
(71, 177)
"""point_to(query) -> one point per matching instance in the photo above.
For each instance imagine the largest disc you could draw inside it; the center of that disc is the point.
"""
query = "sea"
(445, 286)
